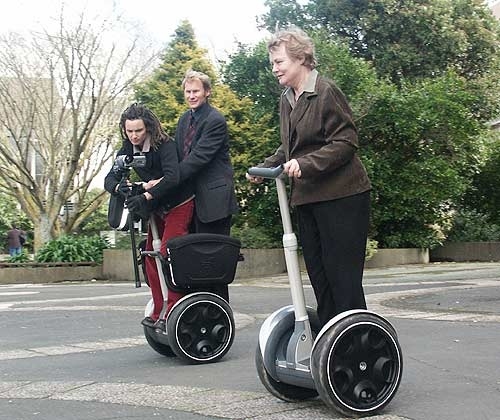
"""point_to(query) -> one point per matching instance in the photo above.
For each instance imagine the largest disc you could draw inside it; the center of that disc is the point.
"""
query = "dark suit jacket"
(320, 133)
(208, 166)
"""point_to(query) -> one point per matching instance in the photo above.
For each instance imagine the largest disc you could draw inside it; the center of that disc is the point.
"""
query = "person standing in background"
(203, 144)
(15, 241)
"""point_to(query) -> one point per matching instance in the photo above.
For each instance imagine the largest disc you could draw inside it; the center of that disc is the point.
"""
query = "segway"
(200, 327)
(354, 363)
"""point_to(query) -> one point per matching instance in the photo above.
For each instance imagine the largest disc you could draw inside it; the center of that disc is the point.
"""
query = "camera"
(124, 162)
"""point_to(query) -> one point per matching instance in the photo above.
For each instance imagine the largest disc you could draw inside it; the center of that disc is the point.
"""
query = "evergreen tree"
(163, 93)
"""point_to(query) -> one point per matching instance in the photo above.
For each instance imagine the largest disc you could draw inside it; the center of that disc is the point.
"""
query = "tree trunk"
(42, 232)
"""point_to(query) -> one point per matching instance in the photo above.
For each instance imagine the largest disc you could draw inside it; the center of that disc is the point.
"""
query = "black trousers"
(333, 236)
(220, 227)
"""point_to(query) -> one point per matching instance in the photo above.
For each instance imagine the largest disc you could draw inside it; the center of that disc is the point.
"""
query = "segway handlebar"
(266, 172)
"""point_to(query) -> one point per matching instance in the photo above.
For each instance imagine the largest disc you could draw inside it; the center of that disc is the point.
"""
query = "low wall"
(48, 273)
(398, 256)
(467, 251)
(118, 264)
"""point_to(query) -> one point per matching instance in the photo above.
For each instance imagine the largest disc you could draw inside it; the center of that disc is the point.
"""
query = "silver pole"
(290, 249)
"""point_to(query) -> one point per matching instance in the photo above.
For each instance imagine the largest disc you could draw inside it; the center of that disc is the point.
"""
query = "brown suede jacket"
(320, 133)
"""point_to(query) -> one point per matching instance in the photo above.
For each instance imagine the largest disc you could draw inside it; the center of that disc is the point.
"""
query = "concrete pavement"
(446, 316)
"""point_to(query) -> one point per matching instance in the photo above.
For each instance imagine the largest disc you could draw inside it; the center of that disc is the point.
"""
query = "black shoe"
(148, 322)
(160, 326)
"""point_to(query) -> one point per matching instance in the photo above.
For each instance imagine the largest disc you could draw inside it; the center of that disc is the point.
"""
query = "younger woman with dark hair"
(170, 205)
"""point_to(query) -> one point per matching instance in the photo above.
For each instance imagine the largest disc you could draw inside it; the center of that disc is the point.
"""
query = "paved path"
(428, 293)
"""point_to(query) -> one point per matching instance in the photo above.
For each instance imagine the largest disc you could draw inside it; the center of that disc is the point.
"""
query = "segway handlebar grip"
(266, 172)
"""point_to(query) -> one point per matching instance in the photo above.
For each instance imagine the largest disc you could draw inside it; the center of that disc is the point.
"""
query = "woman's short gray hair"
(298, 45)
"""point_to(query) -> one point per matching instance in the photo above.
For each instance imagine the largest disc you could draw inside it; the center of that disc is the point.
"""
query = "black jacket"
(208, 166)
(163, 162)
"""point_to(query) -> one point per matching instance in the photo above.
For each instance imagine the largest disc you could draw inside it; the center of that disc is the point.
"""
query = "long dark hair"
(138, 111)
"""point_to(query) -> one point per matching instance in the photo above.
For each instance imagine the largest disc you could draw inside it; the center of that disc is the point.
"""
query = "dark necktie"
(189, 135)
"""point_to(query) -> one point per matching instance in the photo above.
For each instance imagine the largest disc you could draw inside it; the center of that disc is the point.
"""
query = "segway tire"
(357, 365)
(281, 390)
(201, 328)
(161, 348)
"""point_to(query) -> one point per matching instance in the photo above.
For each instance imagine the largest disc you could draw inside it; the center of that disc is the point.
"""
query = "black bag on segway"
(198, 260)
(117, 213)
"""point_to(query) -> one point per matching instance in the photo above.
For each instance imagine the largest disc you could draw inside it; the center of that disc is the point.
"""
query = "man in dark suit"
(203, 144)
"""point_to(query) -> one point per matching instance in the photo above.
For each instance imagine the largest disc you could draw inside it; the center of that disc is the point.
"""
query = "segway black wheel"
(161, 348)
(357, 365)
(201, 328)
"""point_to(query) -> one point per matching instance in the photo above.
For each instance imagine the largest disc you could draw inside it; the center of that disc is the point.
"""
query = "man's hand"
(150, 184)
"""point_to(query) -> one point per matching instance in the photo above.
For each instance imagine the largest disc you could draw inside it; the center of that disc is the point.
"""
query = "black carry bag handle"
(117, 213)
(134, 250)
(121, 219)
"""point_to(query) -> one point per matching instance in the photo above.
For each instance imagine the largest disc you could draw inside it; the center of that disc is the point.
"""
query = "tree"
(61, 92)
(422, 121)
(484, 194)
(283, 13)
(162, 92)
(97, 221)
(414, 38)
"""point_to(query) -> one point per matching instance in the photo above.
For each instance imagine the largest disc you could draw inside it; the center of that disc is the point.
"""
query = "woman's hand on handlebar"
(292, 168)
(254, 179)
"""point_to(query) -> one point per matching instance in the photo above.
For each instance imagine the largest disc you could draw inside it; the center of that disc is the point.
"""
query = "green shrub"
(73, 249)
(371, 249)
(473, 226)
(123, 241)
(20, 258)
(254, 238)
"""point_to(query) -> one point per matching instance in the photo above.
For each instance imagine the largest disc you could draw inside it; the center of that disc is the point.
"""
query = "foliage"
(124, 241)
(371, 248)
(484, 193)
(248, 74)
(68, 248)
(473, 226)
(98, 220)
(283, 13)
(23, 257)
(255, 237)
(422, 146)
(414, 38)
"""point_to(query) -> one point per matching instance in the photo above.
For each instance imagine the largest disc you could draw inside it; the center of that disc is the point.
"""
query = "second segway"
(354, 362)
(200, 327)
